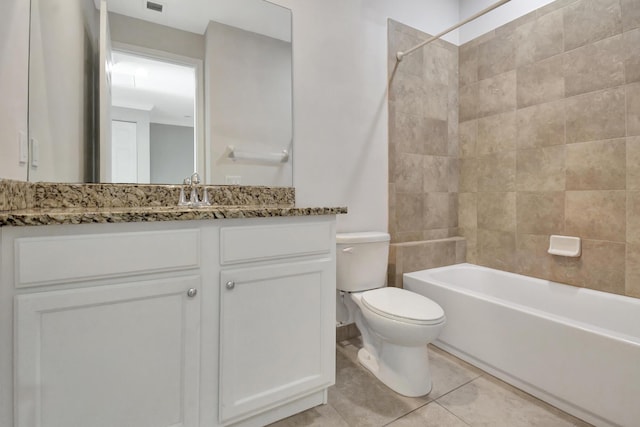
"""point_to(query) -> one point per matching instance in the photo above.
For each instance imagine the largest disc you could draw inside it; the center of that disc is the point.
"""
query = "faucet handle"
(183, 198)
(195, 178)
(205, 197)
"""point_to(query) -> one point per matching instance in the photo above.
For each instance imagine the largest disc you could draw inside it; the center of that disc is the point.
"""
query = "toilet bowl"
(396, 325)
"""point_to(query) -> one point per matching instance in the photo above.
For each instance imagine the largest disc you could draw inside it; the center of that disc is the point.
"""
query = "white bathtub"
(575, 348)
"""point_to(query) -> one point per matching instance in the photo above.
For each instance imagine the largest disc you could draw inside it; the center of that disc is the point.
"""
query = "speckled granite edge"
(30, 217)
(15, 195)
(26, 203)
(18, 195)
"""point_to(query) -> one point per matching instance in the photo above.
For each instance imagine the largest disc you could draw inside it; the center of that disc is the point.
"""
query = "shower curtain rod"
(401, 55)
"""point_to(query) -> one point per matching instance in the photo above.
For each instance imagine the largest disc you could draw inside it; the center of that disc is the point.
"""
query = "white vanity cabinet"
(277, 316)
(177, 324)
(106, 325)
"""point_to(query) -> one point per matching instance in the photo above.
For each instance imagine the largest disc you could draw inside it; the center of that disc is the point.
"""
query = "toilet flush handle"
(348, 250)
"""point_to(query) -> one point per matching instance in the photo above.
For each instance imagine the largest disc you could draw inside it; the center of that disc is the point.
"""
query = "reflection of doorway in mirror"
(124, 152)
(158, 97)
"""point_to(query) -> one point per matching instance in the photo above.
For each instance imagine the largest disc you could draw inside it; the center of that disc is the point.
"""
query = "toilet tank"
(361, 260)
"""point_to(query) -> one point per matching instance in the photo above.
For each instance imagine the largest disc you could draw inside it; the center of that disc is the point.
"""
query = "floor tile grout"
(456, 388)
(451, 412)
(339, 414)
(410, 412)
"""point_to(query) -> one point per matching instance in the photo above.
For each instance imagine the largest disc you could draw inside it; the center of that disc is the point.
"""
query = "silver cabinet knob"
(230, 284)
(192, 292)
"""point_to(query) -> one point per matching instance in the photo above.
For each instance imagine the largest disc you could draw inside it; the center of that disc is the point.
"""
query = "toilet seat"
(402, 305)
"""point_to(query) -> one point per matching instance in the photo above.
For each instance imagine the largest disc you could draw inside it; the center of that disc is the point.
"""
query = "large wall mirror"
(146, 91)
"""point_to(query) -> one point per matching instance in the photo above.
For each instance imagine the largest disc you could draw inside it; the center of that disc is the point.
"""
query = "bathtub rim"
(628, 339)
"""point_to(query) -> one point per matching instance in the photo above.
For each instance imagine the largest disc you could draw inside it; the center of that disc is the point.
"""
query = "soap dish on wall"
(564, 246)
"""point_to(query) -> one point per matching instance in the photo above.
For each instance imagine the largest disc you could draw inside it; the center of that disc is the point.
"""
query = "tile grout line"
(410, 412)
(436, 401)
(460, 386)
(339, 414)
(451, 412)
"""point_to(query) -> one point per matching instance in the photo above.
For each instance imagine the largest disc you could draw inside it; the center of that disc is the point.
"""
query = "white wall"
(171, 153)
(340, 100)
(500, 16)
(248, 80)
(14, 63)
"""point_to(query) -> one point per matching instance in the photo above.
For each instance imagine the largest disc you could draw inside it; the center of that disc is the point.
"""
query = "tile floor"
(462, 396)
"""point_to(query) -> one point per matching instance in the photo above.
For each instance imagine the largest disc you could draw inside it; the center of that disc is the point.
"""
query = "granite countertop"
(25, 203)
(57, 216)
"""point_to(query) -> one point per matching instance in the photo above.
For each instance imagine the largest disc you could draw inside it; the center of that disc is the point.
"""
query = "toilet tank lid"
(362, 237)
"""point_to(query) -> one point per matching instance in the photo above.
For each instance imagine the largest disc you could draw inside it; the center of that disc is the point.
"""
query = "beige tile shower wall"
(549, 143)
(414, 256)
(423, 143)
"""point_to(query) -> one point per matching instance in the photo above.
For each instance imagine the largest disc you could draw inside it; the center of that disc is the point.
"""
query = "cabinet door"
(123, 355)
(277, 335)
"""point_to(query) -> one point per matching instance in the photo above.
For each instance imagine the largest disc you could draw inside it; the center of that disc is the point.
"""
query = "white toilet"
(396, 324)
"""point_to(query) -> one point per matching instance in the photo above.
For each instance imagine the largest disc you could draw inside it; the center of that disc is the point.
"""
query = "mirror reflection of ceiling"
(257, 16)
(166, 90)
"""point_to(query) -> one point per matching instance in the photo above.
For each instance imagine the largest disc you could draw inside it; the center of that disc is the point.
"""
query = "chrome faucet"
(192, 183)
(195, 181)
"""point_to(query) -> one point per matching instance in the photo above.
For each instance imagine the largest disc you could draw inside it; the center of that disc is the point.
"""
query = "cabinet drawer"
(246, 243)
(62, 259)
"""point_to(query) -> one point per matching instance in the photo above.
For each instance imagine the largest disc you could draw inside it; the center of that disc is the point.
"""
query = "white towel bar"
(235, 154)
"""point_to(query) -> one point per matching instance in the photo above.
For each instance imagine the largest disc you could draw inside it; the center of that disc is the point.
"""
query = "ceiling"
(167, 91)
(258, 16)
